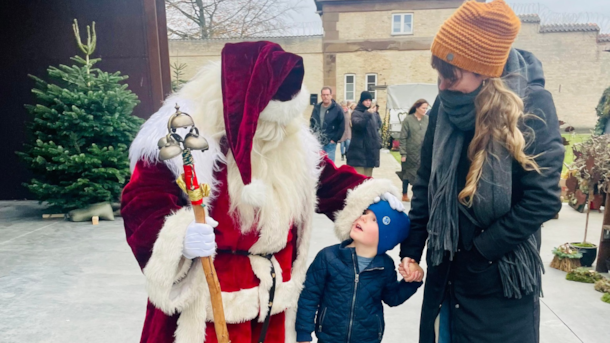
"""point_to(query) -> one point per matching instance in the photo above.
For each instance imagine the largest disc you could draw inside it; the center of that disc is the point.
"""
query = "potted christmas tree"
(590, 172)
(80, 132)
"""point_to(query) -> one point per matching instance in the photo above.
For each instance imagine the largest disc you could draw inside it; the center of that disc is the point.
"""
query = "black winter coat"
(365, 145)
(348, 301)
(472, 283)
(334, 123)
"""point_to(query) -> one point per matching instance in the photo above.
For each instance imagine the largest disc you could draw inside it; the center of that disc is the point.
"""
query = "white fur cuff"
(358, 200)
(170, 278)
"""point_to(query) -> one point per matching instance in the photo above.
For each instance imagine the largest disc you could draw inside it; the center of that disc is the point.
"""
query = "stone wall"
(576, 68)
(576, 65)
(196, 53)
(378, 25)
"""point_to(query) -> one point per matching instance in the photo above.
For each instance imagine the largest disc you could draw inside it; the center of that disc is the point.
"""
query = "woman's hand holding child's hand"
(410, 270)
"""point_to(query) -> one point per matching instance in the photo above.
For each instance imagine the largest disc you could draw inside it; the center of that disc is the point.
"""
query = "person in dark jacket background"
(488, 179)
(328, 122)
(363, 153)
(346, 284)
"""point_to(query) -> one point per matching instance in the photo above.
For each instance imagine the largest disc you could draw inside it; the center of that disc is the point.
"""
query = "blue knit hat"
(394, 226)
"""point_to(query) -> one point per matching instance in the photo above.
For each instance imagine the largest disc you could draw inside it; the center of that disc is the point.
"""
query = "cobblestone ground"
(65, 282)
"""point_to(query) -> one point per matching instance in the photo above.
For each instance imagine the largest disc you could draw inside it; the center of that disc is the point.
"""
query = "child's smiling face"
(365, 229)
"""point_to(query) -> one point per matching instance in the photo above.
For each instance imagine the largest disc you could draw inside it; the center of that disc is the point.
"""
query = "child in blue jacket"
(346, 283)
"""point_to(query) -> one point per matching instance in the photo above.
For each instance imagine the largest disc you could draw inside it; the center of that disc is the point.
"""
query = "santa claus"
(267, 178)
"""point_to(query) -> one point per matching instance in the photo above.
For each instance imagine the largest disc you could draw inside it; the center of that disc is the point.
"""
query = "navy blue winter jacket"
(348, 301)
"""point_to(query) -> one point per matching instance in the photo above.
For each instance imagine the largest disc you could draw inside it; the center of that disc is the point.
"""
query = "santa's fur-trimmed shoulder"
(357, 201)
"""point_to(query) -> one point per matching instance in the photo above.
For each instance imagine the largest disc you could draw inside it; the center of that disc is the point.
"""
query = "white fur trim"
(358, 200)
(254, 193)
(284, 112)
(202, 99)
(169, 276)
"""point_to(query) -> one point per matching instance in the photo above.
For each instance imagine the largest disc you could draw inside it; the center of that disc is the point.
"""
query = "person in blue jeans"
(346, 283)
(327, 122)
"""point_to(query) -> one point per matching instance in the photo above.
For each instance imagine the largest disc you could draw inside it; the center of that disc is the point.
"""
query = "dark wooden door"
(36, 34)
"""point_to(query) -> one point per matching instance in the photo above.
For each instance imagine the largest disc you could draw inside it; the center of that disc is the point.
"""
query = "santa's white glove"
(395, 204)
(200, 240)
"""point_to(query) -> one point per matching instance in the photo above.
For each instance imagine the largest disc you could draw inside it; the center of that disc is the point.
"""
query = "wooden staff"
(196, 193)
(170, 147)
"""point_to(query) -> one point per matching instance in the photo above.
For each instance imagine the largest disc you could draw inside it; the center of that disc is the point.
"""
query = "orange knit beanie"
(478, 37)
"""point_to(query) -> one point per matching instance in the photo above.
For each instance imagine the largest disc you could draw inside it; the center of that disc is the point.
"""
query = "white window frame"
(402, 24)
(366, 84)
(345, 87)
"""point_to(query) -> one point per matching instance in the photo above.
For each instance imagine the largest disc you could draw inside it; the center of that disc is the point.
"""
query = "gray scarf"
(521, 270)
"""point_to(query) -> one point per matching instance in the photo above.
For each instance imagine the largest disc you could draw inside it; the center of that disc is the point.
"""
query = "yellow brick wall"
(576, 68)
(378, 25)
(196, 53)
(391, 67)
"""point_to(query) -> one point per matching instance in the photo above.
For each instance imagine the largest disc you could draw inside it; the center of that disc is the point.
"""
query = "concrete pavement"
(64, 282)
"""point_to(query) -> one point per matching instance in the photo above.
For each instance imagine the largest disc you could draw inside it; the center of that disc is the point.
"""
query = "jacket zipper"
(351, 316)
(322, 318)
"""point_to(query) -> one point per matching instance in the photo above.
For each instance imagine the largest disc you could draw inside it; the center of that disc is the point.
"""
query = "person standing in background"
(414, 128)
(363, 153)
(328, 122)
(347, 133)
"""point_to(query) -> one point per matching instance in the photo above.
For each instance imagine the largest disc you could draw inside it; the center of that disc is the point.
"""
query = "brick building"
(387, 42)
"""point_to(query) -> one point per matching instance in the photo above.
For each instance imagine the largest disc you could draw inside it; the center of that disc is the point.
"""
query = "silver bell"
(195, 142)
(168, 149)
(181, 120)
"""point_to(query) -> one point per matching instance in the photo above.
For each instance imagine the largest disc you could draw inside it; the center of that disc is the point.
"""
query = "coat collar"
(347, 255)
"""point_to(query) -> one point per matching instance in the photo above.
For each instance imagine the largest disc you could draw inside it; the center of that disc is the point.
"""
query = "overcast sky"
(600, 9)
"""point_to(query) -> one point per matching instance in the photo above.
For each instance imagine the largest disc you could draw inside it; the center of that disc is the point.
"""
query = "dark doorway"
(36, 34)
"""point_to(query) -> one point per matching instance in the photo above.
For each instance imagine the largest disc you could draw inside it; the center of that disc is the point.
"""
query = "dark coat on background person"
(334, 123)
(366, 142)
(479, 311)
(411, 139)
(330, 291)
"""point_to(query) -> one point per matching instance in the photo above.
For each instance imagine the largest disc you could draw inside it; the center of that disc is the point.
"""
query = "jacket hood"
(525, 64)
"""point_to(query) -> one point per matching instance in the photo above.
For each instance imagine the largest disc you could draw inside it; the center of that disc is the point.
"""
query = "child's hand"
(410, 270)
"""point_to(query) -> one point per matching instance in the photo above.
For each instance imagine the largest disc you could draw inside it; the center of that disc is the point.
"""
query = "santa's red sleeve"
(333, 185)
(149, 197)
(156, 215)
(343, 194)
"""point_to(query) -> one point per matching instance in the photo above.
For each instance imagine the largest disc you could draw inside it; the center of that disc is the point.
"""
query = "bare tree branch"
(202, 19)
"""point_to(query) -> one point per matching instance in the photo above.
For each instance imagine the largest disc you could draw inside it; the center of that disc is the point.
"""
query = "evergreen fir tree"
(80, 133)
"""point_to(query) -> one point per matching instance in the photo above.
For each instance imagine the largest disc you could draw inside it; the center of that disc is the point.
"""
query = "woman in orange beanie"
(488, 179)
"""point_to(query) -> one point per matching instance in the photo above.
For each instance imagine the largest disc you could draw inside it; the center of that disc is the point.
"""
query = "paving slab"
(64, 282)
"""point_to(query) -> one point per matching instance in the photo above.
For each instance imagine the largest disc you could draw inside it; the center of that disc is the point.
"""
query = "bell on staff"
(181, 120)
(195, 142)
(168, 148)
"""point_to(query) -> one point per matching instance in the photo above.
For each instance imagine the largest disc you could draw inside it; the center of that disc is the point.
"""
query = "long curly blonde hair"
(499, 111)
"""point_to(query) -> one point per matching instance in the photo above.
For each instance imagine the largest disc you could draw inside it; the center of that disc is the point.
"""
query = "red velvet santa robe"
(148, 202)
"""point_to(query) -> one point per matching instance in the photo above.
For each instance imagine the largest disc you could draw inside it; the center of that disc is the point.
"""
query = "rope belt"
(263, 334)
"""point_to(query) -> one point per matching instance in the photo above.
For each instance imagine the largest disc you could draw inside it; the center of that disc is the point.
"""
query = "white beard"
(281, 161)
